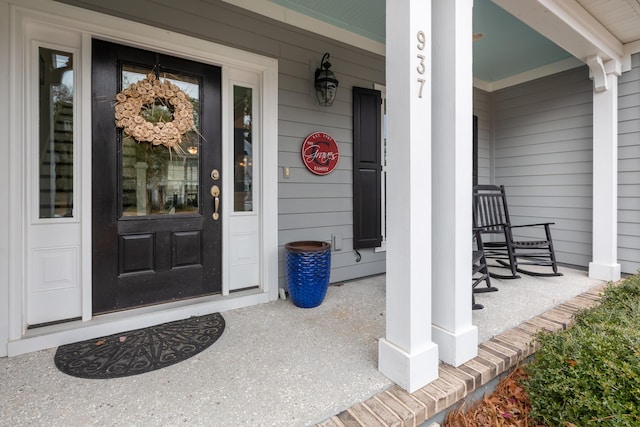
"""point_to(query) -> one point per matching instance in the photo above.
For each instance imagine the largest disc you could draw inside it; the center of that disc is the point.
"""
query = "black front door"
(157, 227)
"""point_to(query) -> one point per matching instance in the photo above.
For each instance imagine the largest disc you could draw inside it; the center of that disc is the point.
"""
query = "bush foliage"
(590, 373)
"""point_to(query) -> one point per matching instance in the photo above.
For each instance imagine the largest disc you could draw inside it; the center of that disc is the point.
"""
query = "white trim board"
(316, 26)
(6, 115)
(537, 73)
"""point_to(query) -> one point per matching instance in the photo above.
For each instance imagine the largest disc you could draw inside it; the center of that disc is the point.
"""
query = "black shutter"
(475, 150)
(367, 168)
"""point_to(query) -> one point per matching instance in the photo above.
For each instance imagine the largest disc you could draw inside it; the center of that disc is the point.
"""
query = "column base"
(456, 349)
(610, 272)
(409, 371)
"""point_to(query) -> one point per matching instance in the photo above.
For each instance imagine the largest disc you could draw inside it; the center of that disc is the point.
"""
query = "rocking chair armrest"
(546, 224)
(489, 226)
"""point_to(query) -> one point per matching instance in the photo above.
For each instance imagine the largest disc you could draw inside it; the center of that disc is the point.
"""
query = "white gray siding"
(535, 138)
(319, 207)
(629, 168)
(310, 207)
(543, 156)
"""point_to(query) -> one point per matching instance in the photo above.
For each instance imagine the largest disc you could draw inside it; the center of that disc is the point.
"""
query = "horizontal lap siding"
(310, 207)
(543, 156)
(629, 168)
(315, 207)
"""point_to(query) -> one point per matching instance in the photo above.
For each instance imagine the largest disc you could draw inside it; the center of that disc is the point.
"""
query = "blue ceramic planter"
(308, 267)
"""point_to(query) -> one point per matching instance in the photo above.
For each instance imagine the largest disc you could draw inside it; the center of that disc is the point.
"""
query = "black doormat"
(139, 351)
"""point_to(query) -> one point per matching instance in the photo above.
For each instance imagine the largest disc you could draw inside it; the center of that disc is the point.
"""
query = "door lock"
(215, 174)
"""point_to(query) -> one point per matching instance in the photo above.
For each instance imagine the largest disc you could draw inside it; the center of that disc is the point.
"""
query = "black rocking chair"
(491, 216)
(480, 272)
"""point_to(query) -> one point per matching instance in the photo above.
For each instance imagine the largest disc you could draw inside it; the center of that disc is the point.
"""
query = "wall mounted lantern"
(326, 82)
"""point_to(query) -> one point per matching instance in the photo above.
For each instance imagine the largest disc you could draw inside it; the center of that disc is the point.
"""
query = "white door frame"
(86, 25)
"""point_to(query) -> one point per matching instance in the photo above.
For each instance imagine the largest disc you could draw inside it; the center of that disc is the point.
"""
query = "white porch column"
(452, 133)
(605, 170)
(406, 354)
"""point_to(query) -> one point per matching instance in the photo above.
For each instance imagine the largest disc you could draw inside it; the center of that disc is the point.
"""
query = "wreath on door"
(141, 98)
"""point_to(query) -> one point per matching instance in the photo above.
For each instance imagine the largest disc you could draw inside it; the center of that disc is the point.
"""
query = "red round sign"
(320, 153)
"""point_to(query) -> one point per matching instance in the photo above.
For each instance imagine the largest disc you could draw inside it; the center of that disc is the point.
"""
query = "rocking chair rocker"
(491, 215)
(480, 272)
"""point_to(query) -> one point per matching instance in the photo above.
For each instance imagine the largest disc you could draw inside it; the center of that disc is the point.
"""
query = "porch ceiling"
(620, 17)
(607, 28)
(522, 40)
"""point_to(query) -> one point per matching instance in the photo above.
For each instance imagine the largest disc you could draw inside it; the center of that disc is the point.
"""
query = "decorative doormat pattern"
(139, 351)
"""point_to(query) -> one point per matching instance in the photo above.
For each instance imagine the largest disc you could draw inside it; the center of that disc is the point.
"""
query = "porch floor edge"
(499, 354)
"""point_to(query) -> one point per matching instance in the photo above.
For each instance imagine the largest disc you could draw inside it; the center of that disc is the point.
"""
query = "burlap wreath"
(136, 98)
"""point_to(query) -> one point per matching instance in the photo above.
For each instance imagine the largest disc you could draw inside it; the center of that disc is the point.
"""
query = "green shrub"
(590, 373)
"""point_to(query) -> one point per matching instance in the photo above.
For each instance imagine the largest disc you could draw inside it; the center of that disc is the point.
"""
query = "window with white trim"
(55, 132)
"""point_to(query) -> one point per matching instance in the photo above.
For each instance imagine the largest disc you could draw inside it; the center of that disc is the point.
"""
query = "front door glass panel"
(155, 179)
(243, 148)
(56, 133)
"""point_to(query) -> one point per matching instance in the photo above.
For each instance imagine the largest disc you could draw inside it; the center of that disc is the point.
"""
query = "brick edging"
(396, 407)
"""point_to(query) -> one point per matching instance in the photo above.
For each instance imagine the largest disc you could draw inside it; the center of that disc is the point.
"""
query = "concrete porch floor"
(279, 365)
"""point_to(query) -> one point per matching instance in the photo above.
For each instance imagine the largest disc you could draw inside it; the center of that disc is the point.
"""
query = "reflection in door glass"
(156, 181)
(243, 149)
(56, 133)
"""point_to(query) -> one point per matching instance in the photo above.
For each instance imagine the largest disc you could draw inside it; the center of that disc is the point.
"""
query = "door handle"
(215, 193)
(216, 205)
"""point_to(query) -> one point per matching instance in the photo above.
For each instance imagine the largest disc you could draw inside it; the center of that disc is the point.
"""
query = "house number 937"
(421, 68)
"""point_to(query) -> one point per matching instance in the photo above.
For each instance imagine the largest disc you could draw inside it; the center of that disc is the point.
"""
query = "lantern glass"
(326, 83)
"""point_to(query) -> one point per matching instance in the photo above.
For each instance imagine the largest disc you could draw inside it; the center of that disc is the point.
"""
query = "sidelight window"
(243, 148)
(55, 146)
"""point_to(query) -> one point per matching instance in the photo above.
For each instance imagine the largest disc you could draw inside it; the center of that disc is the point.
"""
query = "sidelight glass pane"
(155, 180)
(55, 133)
(243, 149)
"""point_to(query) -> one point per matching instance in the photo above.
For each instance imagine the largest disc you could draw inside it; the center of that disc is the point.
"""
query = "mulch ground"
(508, 405)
